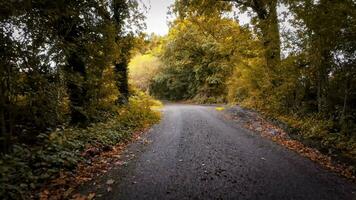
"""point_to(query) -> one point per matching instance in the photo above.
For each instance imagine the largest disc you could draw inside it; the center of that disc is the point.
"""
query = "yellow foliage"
(142, 68)
(219, 108)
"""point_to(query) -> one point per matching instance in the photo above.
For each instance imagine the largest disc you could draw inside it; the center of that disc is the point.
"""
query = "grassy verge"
(28, 168)
(316, 132)
(319, 133)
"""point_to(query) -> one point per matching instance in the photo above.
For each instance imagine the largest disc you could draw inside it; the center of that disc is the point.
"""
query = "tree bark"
(268, 24)
(122, 81)
(75, 68)
(3, 134)
(121, 12)
(76, 90)
(271, 37)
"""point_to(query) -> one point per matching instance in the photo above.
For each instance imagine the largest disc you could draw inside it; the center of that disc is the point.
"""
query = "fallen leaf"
(78, 197)
(110, 181)
(44, 195)
(68, 192)
(91, 196)
(119, 162)
(219, 108)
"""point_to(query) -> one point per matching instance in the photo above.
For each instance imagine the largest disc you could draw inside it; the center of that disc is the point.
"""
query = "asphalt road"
(194, 153)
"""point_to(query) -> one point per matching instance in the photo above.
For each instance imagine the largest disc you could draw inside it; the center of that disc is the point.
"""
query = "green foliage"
(264, 18)
(208, 58)
(197, 59)
(57, 62)
(28, 167)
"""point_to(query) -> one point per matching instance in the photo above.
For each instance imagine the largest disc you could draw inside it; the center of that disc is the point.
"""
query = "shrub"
(28, 167)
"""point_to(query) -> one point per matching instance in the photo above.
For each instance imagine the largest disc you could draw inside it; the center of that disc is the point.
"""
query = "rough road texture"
(194, 153)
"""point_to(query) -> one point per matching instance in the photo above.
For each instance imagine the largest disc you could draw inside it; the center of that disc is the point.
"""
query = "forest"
(64, 86)
(294, 62)
(83, 74)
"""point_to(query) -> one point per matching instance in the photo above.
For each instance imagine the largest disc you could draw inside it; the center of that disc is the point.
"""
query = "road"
(194, 153)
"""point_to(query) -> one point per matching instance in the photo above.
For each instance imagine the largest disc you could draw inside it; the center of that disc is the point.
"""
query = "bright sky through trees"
(157, 18)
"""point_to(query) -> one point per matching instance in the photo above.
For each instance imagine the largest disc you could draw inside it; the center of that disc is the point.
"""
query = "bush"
(27, 168)
(203, 99)
(321, 133)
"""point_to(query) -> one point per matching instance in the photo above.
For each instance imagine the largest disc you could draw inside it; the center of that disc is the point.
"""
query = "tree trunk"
(321, 62)
(122, 81)
(76, 89)
(347, 94)
(320, 91)
(3, 134)
(268, 24)
(121, 12)
(271, 37)
(345, 104)
(75, 68)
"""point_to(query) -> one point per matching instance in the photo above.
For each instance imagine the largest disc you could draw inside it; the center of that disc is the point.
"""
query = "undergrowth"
(27, 168)
(316, 131)
(319, 133)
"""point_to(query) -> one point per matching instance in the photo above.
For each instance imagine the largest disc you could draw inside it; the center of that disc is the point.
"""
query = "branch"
(255, 5)
(240, 3)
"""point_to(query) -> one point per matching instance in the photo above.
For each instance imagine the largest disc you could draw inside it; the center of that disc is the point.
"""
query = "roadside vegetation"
(294, 62)
(77, 75)
(29, 166)
(64, 90)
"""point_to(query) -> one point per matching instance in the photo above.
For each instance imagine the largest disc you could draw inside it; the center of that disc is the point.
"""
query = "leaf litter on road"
(258, 124)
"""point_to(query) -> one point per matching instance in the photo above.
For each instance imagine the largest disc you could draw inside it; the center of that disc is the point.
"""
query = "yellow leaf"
(219, 108)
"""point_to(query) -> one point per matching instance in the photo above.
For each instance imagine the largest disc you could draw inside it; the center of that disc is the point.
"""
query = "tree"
(328, 33)
(57, 63)
(198, 58)
(125, 11)
(266, 20)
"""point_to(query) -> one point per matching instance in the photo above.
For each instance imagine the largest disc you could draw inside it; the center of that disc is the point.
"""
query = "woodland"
(78, 74)
(64, 87)
(294, 62)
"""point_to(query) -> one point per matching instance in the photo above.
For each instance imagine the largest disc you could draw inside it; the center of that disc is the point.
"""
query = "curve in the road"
(196, 154)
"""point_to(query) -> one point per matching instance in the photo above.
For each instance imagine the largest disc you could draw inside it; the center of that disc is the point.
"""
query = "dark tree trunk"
(3, 134)
(270, 35)
(6, 109)
(268, 24)
(76, 90)
(121, 12)
(122, 81)
(321, 62)
(75, 69)
(321, 96)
